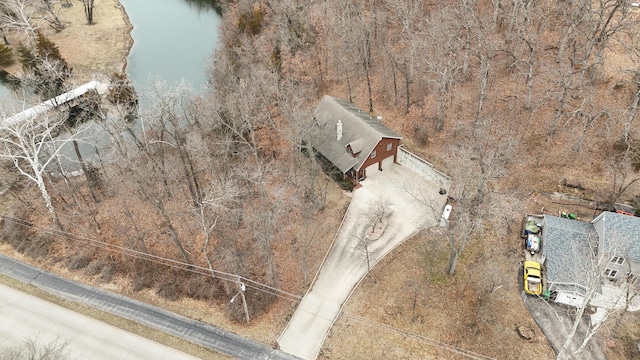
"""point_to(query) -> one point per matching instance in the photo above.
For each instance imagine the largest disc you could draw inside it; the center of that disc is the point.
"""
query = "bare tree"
(588, 28)
(355, 39)
(372, 226)
(624, 181)
(88, 10)
(19, 16)
(49, 14)
(221, 195)
(528, 21)
(599, 290)
(407, 18)
(443, 66)
(32, 144)
(588, 115)
(35, 349)
(632, 50)
(460, 230)
(242, 120)
(475, 165)
(172, 114)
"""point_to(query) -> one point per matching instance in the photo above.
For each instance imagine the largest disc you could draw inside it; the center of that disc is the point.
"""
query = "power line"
(225, 276)
(250, 283)
(420, 338)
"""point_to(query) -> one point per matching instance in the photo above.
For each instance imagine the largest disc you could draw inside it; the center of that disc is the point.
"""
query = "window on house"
(389, 146)
(610, 273)
(373, 154)
(633, 279)
(617, 260)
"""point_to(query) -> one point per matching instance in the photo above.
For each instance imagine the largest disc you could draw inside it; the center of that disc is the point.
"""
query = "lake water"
(173, 40)
(5, 97)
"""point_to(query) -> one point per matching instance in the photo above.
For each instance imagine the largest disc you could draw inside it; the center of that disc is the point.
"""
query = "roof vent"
(339, 130)
(379, 117)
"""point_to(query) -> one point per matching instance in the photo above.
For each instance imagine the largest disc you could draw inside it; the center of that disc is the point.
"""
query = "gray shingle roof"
(620, 234)
(358, 129)
(568, 246)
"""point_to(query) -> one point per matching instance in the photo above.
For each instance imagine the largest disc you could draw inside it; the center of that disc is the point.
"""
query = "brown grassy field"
(101, 48)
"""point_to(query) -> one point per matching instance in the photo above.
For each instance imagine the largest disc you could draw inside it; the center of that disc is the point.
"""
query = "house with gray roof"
(578, 255)
(619, 241)
(568, 247)
(351, 139)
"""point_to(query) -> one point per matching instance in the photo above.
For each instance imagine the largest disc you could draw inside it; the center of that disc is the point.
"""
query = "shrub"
(6, 56)
(107, 272)
(258, 302)
(276, 58)
(421, 134)
(95, 177)
(121, 91)
(631, 148)
(202, 287)
(143, 273)
(49, 69)
(333, 172)
(78, 261)
(23, 239)
(250, 22)
(169, 284)
(169, 290)
(13, 234)
(95, 267)
(38, 246)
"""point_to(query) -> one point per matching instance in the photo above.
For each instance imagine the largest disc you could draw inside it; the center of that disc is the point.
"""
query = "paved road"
(346, 263)
(25, 316)
(191, 330)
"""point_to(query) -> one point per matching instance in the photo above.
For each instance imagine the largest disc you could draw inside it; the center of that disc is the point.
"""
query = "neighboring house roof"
(358, 129)
(620, 234)
(568, 247)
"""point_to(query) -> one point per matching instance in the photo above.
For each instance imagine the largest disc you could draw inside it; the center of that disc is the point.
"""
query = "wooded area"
(202, 191)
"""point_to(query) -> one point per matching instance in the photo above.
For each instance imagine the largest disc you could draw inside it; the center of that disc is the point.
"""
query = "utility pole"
(244, 300)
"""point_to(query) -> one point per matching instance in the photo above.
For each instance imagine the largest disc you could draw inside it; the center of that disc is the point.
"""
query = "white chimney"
(339, 130)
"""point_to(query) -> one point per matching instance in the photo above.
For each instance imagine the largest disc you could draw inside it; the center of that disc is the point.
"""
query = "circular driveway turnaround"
(24, 316)
(414, 203)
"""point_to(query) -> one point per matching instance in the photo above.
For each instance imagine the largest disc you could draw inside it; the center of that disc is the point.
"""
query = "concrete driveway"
(555, 320)
(346, 262)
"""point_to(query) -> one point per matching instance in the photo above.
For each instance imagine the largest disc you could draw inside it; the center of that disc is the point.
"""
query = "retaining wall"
(423, 168)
